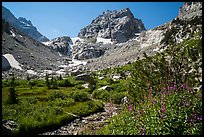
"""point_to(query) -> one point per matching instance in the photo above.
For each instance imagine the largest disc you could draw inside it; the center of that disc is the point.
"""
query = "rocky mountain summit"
(61, 44)
(152, 41)
(23, 25)
(119, 26)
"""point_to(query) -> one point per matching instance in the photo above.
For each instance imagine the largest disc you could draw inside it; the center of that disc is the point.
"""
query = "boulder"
(84, 77)
(108, 88)
(8, 127)
(85, 85)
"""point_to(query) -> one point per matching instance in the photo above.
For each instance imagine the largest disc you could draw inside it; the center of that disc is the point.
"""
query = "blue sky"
(54, 19)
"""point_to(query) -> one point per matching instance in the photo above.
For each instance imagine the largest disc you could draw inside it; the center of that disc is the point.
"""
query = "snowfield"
(12, 61)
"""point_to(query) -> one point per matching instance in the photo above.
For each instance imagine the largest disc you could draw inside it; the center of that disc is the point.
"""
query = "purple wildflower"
(171, 88)
(168, 88)
(165, 92)
(199, 118)
(130, 108)
(175, 85)
(163, 110)
(184, 86)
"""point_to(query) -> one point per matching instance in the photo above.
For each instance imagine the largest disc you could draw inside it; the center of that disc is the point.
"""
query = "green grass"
(41, 109)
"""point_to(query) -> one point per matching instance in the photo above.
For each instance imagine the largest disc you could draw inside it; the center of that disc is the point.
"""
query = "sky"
(55, 19)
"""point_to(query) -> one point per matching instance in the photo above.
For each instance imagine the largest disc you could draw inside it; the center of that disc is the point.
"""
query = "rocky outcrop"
(84, 51)
(84, 77)
(117, 25)
(60, 44)
(190, 10)
(23, 25)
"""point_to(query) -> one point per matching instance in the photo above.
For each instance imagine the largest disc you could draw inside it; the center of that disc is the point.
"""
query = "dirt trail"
(92, 122)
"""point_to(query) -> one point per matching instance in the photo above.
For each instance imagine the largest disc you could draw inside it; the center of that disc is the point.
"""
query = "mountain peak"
(24, 20)
(118, 26)
(23, 25)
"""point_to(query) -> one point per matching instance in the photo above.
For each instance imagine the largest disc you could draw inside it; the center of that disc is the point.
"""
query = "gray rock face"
(5, 64)
(23, 25)
(117, 25)
(89, 50)
(190, 9)
(61, 44)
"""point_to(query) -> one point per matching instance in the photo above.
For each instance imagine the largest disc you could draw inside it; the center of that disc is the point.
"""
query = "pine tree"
(47, 80)
(12, 97)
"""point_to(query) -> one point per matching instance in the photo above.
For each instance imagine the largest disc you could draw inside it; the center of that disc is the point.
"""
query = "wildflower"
(171, 88)
(168, 88)
(163, 110)
(199, 118)
(130, 108)
(184, 86)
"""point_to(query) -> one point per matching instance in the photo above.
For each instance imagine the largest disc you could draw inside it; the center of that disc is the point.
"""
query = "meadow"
(164, 96)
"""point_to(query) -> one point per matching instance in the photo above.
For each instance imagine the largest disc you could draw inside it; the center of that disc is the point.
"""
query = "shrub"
(57, 94)
(116, 97)
(101, 94)
(67, 102)
(64, 83)
(80, 96)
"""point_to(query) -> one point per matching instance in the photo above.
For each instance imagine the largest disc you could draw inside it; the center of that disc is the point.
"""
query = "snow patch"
(61, 71)
(105, 41)
(59, 54)
(63, 66)
(25, 23)
(74, 39)
(31, 72)
(12, 61)
(77, 62)
(48, 71)
(13, 34)
(47, 42)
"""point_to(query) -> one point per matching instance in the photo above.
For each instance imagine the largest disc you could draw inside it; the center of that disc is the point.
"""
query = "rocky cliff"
(60, 44)
(23, 25)
(119, 26)
(190, 10)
